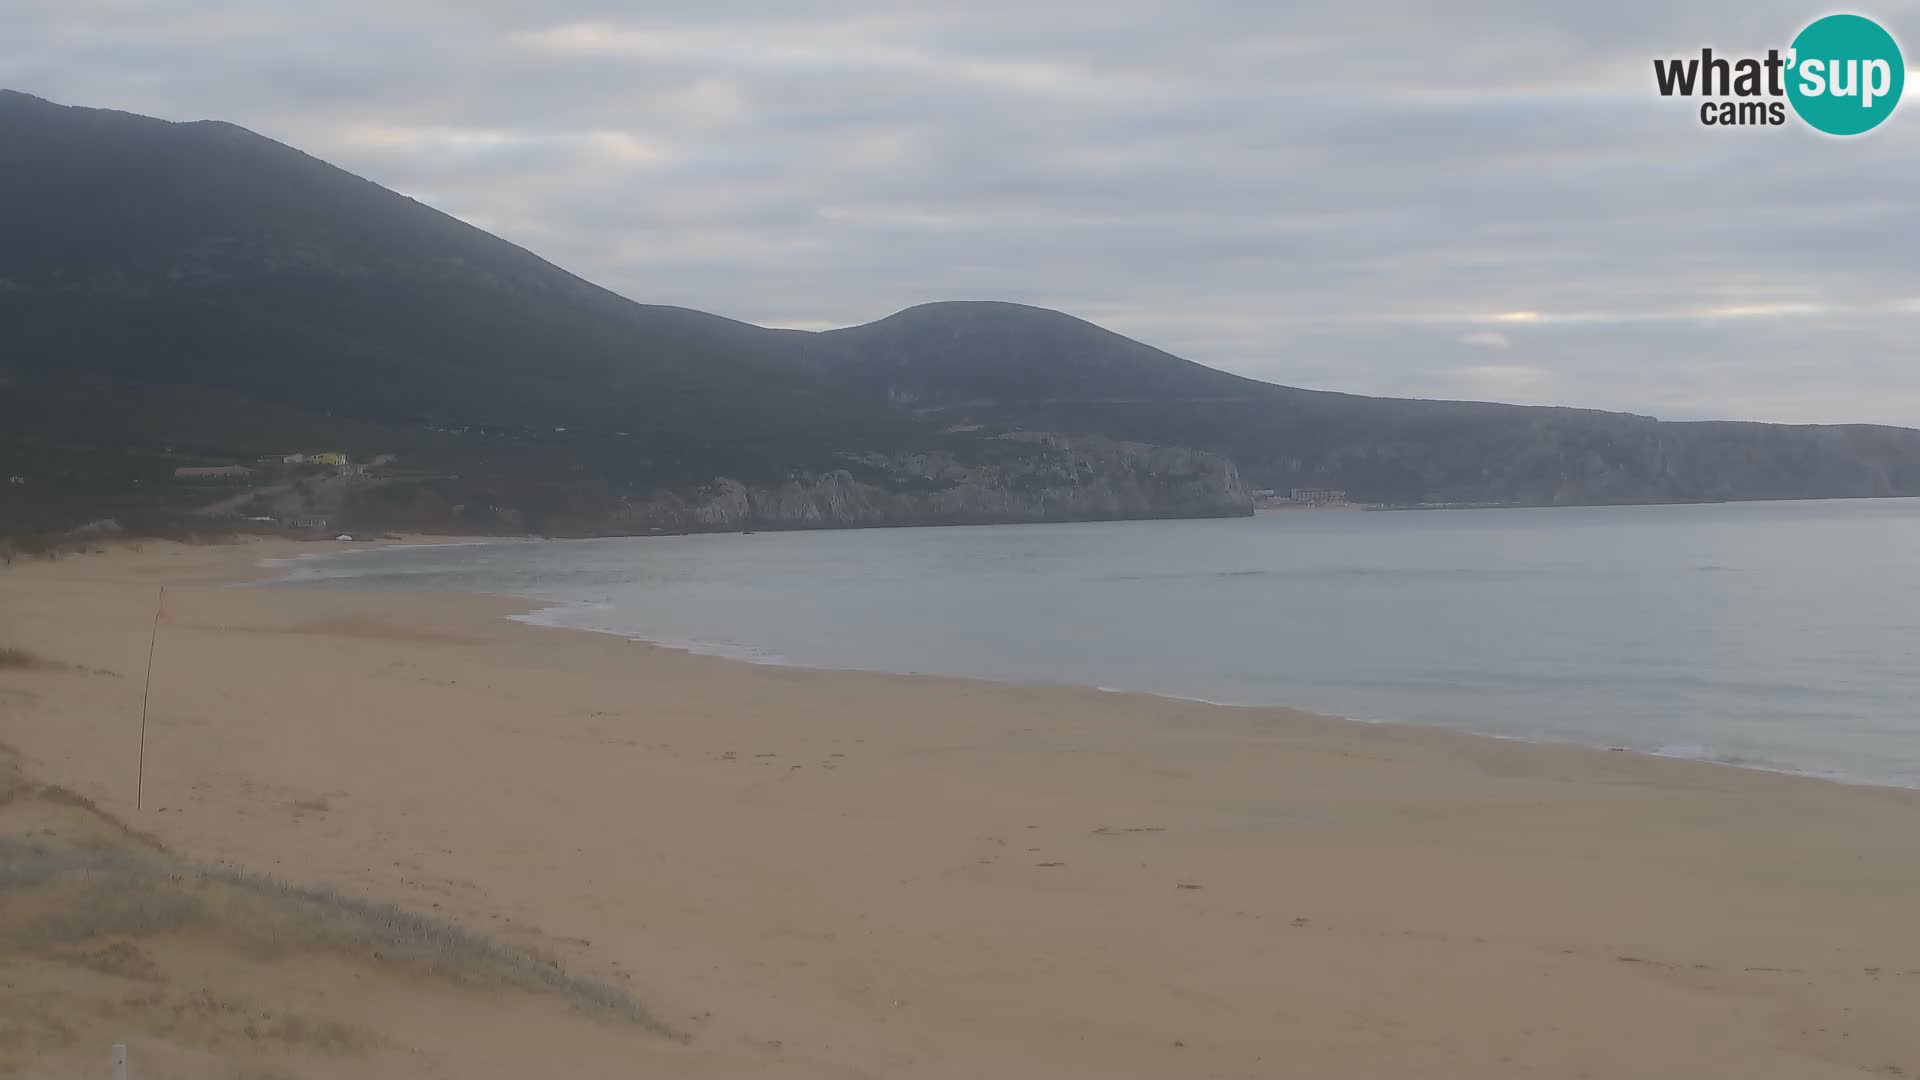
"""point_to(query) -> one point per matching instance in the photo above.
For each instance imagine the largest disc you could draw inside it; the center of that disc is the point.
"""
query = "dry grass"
(81, 890)
(18, 659)
(13, 657)
(93, 897)
(121, 894)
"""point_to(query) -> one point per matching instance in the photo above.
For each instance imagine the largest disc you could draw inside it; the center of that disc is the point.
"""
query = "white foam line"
(310, 558)
(556, 616)
(369, 549)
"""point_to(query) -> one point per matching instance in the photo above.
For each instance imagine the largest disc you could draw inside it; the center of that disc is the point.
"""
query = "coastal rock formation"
(1023, 367)
(1076, 479)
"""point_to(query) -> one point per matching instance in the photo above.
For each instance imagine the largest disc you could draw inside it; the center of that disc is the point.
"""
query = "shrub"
(12, 657)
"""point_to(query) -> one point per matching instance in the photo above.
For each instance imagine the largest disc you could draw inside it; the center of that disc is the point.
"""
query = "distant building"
(1319, 496)
(329, 457)
(294, 459)
(315, 524)
(212, 472)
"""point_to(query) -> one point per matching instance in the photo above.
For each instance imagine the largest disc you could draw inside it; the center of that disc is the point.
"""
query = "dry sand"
(815, 873)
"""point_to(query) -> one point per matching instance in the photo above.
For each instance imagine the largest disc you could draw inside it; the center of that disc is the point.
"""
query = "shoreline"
(738, 655)
(544, 612)
(810, 872)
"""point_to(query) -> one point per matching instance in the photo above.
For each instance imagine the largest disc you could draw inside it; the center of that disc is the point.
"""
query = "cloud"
(1512, 375)
(1361, 198)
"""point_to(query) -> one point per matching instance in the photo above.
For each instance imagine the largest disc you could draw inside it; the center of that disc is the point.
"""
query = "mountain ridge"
(269, 297)
(1398, 450)
(193, 293)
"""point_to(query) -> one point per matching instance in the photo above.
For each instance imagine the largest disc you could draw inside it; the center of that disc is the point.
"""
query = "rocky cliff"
(1080, 479)
(1023, 367)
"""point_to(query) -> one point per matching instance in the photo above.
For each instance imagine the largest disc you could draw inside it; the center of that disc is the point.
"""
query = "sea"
(1777, 635)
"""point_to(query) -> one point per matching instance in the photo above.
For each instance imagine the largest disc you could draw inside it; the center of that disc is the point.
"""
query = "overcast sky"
(1453, 199)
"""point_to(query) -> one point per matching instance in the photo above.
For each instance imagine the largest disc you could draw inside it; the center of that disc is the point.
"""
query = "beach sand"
(847, 874)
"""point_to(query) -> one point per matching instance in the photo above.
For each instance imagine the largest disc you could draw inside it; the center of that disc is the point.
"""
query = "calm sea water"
(1774, 635)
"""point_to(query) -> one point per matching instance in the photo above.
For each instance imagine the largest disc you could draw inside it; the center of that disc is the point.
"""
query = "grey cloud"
(1331, 195)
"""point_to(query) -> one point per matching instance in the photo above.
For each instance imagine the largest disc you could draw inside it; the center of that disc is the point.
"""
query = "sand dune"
(808, 873)
(105, 937)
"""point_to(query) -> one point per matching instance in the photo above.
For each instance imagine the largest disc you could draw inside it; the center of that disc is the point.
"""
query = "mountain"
(178, 294)
(996, 363)
(193, 294)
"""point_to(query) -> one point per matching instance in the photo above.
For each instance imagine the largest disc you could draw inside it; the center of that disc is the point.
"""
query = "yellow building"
(331, 457)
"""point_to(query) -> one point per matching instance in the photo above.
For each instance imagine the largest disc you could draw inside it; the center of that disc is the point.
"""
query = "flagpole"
(153, 639)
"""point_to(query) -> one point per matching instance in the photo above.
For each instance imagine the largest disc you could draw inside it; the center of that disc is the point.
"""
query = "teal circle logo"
(1846, 74)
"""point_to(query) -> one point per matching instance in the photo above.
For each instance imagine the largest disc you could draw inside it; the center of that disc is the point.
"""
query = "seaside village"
(290, 491)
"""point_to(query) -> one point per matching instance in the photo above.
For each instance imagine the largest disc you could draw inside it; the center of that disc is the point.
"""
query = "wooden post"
(140, 770)
(119, 1061)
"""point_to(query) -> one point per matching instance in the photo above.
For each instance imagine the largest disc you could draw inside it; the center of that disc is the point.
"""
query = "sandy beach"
(805, 873)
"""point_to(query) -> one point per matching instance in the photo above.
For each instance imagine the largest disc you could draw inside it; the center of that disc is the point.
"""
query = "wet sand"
(826, 873)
